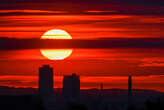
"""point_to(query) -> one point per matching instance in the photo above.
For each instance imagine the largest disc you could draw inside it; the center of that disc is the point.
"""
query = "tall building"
(46, 87)
(130, 85)
(71, 86)
(45, 80)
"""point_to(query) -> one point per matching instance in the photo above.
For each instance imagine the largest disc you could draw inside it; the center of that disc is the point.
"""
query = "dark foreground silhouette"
(150, 105)
(33, 102)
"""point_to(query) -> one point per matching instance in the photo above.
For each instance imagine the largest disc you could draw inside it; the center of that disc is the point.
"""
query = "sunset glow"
(99, 40)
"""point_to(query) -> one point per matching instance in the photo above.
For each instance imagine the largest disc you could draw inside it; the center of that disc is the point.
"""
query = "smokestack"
(101, 86)
(130, 85)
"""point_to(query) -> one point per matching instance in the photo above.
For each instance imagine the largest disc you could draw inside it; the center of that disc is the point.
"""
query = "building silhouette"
(130, 85)
(45, 90)
(71, 86)
(45, 80)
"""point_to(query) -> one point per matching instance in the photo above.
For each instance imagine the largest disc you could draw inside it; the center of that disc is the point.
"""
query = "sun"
(56, 34)
(56, 54)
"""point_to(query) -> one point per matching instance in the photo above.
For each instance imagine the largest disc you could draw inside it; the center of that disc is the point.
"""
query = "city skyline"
(102, 39)
(101, 53)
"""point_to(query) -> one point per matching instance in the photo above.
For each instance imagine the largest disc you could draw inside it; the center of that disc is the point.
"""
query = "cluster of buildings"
(71, 83)
(71, 86)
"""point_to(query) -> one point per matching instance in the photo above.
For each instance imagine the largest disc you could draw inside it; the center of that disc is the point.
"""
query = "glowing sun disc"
(56, 54)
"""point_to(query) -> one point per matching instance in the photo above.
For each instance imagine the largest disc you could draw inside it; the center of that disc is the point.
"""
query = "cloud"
(152, 62)
(30, 11)
(100, 11)
(145, 2)
(11, 43)
(135, 7)
(84, 26)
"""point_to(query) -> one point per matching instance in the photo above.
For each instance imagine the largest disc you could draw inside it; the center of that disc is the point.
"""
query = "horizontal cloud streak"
(30, 11)
(150, 7)
(83, 26)
(9, 43)
(152, 62)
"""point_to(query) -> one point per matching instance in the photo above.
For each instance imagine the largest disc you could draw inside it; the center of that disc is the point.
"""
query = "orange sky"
(82, 19)
(85, 19)
(153, 82)
(83, 26)
(19, 68)
(94, 62)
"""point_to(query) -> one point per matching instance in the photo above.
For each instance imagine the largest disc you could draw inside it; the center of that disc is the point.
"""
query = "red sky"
(109, 82)
(87, 19)
(82, 19)
(19, 68)
(83, 26)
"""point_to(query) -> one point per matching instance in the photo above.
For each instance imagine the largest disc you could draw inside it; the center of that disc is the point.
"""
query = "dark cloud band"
(8, 44)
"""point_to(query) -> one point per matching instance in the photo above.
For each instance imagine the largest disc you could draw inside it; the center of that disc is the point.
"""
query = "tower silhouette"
(46, 87)
(130, 85)
(71, 86)
(45, 80)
